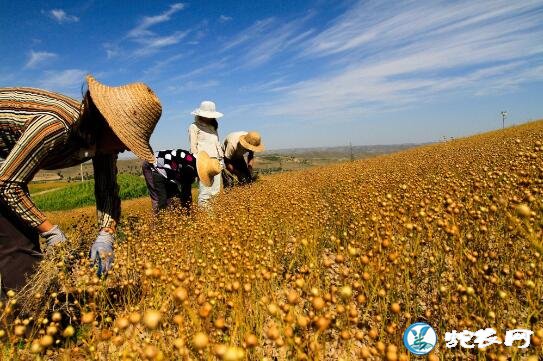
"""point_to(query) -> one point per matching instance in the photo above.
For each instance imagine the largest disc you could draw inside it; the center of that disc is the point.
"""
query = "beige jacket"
(203, 137)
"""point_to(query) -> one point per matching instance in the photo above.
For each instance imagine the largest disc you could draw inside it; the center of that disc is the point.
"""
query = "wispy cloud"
(159, 65)
(152, 44)
(249, 34)
(148, 41)
(268, 38)
(393, 55)
(193, 86)
(142, 29)
(67, 81)
(61, 17)
(39, 57)
(224, 18)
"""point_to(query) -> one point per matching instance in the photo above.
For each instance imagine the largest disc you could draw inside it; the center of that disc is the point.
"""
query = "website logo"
(420, 338)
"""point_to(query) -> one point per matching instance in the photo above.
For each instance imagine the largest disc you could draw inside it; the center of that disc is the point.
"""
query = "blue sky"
(318, 73)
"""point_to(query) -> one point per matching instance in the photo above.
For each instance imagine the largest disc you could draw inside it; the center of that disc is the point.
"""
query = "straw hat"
(207, 168)
(207, 110)
(131, 111)
(252, 141)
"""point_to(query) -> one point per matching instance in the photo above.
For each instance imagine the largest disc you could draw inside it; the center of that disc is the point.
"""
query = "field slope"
(324, 264)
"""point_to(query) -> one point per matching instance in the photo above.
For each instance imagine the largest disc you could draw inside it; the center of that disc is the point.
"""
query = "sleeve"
(106, 190)
(193, 138)
(43, 135)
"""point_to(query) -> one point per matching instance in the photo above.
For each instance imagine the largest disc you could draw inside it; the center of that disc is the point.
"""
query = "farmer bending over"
(235, 146)
(174, 169)
(45, 130)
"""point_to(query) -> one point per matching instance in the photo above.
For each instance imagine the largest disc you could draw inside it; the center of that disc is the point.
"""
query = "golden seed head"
(152, 318)
(200, 340)
(69, 331)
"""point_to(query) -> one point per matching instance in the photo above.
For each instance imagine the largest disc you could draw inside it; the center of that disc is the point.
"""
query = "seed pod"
(180, 294)
(69, 331)
(151, 319)
(200, 340)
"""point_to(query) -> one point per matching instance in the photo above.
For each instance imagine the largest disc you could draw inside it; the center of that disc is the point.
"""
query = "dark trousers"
(163, 192)
(19, 250)
(242, 172)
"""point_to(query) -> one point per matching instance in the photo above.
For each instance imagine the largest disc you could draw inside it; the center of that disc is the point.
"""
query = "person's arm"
(108, 209)
(250, 161)
(43, 135)
(193, 139)
(106, 190)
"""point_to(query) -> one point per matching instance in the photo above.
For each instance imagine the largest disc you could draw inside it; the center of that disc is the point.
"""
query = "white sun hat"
(207, 110)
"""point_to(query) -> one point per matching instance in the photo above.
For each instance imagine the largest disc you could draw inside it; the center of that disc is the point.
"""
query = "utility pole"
(81, 171)
(351, 150)
(504, 115)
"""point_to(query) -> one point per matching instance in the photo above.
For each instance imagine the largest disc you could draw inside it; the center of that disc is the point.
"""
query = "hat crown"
(253, 138)
(207, 106)
(207, 109)
(131, 110)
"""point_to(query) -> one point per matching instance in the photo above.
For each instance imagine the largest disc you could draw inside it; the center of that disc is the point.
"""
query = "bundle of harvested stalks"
(53, 275)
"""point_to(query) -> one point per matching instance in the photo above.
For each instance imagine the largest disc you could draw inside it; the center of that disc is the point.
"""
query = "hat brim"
(206, 114)
(249, 146)
(202, 166)
(112, 101)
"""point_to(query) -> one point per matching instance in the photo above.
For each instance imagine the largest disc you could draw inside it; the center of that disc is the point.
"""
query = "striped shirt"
(36, 133)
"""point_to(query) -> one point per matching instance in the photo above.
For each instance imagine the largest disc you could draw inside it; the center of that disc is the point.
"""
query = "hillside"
(268, 162)
(327, 263)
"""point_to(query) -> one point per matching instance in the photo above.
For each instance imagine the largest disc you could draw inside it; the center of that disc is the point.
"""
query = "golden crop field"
(329, 263)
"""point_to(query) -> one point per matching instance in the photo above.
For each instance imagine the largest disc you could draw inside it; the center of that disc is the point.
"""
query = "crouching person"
(171, 176)
(236, 145)
(45, 130)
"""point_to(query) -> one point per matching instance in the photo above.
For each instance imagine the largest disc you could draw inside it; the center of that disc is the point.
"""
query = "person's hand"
(53, 236)
(101, 253)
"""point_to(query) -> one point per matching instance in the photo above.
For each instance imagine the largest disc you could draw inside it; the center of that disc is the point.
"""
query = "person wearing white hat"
(236, 145)
(40, 129)
(204, 136)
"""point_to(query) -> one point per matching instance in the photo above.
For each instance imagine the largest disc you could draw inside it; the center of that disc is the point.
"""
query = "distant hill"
(359, 151)
(268, 162)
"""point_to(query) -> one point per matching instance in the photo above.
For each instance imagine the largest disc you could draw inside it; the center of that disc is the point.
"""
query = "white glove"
(53, 236)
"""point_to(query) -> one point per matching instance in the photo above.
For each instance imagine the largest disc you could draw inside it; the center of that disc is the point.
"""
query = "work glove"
(53, 236)
(101, 253)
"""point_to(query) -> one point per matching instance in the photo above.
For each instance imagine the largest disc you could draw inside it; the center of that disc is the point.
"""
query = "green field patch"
(77, 195)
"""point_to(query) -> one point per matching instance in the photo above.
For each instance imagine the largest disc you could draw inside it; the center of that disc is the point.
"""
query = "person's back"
(232, 149)
(31, 112)
(203, 137)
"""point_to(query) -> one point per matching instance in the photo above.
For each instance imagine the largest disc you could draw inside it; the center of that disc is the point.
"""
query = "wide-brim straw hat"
(131, 111)
(207, 109)
(207, 168)
(252, 141)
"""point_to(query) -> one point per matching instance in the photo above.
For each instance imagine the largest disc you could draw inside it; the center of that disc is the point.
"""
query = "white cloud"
(251, 33)
(151, 45)
(142, 29)
(266, 39)
(39, 57)
(224, 18)
(380, 56)
(193, 86)
(68, 81)
(150, 42)
(61, 17)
